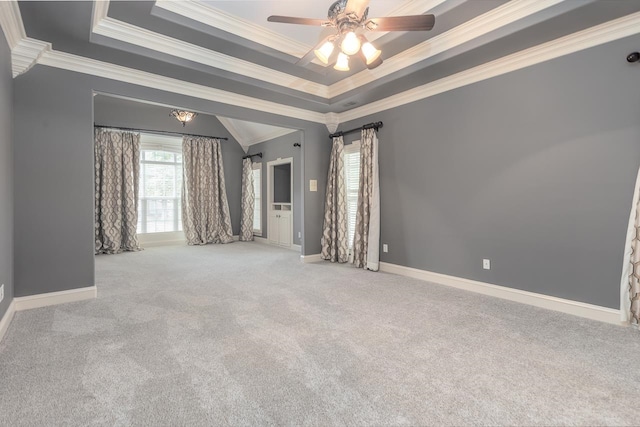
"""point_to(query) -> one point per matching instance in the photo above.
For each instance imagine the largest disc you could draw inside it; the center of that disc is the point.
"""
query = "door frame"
(270, 165)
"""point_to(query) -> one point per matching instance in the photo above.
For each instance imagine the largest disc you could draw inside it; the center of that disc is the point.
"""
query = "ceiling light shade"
(350, 44)
(343, 62)
(183, 116)
(370, 53)
(324, 52)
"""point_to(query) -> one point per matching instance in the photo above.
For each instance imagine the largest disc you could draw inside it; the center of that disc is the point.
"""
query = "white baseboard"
(307, 259)
(6, 319)
(589, 311)
(164, 243)
(53, 298)
(171, 238)
(265, 241)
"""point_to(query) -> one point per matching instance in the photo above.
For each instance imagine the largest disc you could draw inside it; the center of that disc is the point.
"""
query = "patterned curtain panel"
(335, 245)
(630, 284)
(246, 222)
(117, 166)
(366, 240)
(205, 209)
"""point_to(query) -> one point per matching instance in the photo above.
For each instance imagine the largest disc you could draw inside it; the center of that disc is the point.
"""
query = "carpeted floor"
(244, 334)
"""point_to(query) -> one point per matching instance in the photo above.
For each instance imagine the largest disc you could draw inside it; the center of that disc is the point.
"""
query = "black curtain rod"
(374, 125)
(160, 132)
(248, 156)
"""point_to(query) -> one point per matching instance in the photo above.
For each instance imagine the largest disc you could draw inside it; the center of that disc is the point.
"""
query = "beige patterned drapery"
(366, 240)
(117, 167)
(335, 245)
(246, 222)
(205, 209)
(630, 283)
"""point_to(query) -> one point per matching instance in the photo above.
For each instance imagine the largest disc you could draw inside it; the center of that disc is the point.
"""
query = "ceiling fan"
(349, 18)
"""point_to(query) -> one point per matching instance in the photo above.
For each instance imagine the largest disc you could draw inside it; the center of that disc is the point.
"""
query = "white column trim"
(576, 308)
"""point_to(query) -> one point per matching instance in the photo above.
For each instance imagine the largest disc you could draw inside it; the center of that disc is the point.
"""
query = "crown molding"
(26, 54)
(100, 10)
(609, 31)
(11, 23)
(110, 71)
(492, 20)
(594, 36)
(131, 34)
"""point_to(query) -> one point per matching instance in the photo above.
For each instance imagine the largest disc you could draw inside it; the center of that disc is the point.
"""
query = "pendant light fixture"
(183, 116)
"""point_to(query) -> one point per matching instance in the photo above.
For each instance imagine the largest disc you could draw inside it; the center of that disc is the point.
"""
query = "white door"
(285, 230)
(274, 227)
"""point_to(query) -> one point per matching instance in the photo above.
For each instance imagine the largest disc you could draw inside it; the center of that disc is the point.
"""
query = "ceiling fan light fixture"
(342, 64)
(324, 52)
(183, 116)
(370, 53)
(350, 44)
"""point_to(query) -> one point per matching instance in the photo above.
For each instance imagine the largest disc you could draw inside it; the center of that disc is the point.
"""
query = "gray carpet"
(244, 334)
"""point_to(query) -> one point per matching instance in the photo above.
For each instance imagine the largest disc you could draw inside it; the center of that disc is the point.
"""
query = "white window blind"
(159, 199)
(351, 156)
(257, 193)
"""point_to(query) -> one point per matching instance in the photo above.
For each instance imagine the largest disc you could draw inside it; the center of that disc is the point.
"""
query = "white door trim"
(270, 165)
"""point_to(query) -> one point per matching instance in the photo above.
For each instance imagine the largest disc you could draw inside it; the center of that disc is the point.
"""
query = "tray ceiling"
(226, 50)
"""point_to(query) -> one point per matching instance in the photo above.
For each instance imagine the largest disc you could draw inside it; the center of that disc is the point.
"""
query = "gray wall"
(534, 170)
(316, 150)
(53, 174)
(282, 147)
(112, 111)
(6, 175)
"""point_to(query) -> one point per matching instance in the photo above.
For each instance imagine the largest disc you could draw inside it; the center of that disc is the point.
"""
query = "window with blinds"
(159, 199)
(351, 155)
(257, 195)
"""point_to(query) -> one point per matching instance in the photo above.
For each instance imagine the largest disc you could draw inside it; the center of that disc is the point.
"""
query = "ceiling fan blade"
(299, 21)
(401, 23)
(357, 7)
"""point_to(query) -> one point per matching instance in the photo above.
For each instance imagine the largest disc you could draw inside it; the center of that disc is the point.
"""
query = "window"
(257, 195)
(351, 156)
(159, 203)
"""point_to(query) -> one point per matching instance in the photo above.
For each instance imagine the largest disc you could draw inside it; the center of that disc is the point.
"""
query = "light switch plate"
(313, 185)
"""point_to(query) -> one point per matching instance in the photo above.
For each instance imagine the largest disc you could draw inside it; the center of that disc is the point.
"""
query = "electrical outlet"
(299, 235)
(486, 264)
(385, 247)
(1, 292)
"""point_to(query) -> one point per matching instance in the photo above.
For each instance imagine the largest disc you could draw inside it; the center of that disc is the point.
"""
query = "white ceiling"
(250, 133)
(255, 12)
